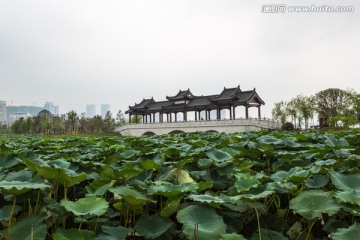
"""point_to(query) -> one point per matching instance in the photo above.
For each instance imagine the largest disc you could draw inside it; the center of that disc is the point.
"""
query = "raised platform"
(227, 126)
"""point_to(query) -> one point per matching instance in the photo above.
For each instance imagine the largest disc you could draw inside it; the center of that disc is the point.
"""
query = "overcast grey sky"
(79, 52)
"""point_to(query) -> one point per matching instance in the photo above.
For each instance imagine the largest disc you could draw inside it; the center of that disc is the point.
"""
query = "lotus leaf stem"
(11, 214)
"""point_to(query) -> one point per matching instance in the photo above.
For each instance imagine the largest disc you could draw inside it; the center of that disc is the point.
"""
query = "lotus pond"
(252, 185)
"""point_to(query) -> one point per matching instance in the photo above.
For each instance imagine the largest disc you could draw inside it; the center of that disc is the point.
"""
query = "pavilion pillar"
(259, 112)
(154, 118)
(185, 116)
(207, 115)
(175, 117)
(234, 112)
(218, 113)
(196, 113)
(129, 118)
(167, 117)
(145, 121)
(170, 117)
(136, 118)
(161, 117)
(230, 110)
(247, 111)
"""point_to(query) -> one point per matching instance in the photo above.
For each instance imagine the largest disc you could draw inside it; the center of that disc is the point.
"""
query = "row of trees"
(334, 107)
(71, 122)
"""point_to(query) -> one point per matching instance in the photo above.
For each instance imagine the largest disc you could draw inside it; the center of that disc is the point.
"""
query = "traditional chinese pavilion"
(185, 102)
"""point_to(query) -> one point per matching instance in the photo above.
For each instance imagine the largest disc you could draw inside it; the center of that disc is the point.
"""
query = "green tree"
(83, 123)
(139, 119)
(96, 124)
(332, 102)
(279, 112)
(305, 106)
(109, 122)
(45, 121)
(120, 119)
(58, 124)
(292, 109)
(72, 120)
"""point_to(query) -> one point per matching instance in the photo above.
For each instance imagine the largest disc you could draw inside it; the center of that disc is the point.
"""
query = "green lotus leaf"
(268, 139)
(22, 175)
(333, 142)
(152, 226)
(345, 181)
(65, 177)
(28, 228)
(298, 175)
(99, 190)
(291, 142)
(317, 181)
(332, 225)
(129, 171)
(19, 187)
(209, 225)
(170, 190)
(114, 233)
(86, 206)
(231, 236)
(171, 207)
(204, 162)
(73, 233)
(149, 164)
(262, 191)
(351, 233)
(245, 181)
(130, 195)
(218, 155)
(127, 154)
(349, 196)
(204, 185)
(5, 212)
(8, 161)
(327, 162)
(313, 203)
(209, 198)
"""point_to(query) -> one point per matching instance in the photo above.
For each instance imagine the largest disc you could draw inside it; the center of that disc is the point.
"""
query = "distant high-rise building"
(52, 108)
(3, 114)
(17, 116)
(90, 110)
(104, 109)
(32, 110)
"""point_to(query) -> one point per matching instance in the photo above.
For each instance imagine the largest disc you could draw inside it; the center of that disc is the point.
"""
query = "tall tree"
(72, 119)
(332, 102)
(279, 112)
(292, 108)
(109, 122)
(45, 118)
(83, 123)
(120, 119)
(306, 108)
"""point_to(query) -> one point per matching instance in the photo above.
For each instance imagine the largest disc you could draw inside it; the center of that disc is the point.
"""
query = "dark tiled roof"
(227, 94)
(144, 103)
(182, 95)
(226, 98)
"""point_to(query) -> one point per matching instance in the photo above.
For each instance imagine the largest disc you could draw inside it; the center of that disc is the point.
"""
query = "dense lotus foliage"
(252, 185)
